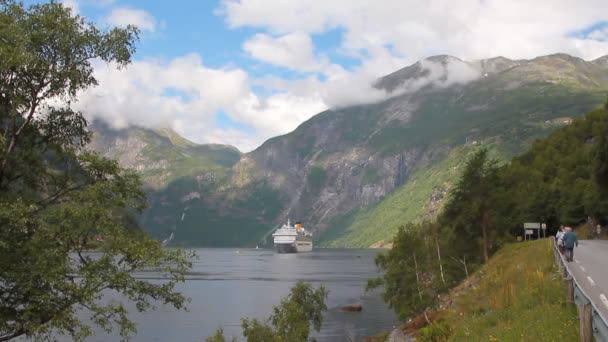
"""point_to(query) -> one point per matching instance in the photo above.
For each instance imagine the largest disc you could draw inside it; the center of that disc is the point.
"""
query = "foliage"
(472, 210)
(438, 331)
(560, 179)
(219, 337)
(511, 300)
(290, 321)
(57, 200)
(409, 283)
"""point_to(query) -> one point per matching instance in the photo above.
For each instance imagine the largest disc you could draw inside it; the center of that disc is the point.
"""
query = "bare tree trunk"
(463, 261)
(439, 258)
(484, 234)
(417, 277)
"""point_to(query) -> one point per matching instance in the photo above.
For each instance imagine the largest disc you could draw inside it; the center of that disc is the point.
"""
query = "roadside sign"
(532, 228)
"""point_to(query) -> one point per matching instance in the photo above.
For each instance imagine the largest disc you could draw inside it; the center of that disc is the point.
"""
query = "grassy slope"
(519, 297)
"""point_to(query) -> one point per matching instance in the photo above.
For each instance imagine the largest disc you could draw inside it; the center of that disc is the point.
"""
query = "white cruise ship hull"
(293, 247)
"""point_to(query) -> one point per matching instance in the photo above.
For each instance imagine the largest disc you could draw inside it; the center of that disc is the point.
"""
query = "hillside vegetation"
(562, 179)
(517, 296)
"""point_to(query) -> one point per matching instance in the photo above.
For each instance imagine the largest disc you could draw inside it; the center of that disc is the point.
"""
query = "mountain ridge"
(348, 159)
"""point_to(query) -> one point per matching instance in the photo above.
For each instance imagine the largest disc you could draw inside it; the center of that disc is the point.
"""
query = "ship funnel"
(298, 225)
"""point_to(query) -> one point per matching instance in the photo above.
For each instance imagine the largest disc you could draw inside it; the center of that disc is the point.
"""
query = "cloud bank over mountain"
(288, 69)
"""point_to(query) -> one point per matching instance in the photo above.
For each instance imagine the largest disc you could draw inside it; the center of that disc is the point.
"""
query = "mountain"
(354, 174)
(160, 156)
(190, 186)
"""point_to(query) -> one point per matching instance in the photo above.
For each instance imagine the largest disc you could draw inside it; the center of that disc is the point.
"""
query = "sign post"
(531, 228)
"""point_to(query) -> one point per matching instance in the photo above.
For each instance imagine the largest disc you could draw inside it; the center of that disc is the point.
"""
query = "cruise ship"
(292, 239)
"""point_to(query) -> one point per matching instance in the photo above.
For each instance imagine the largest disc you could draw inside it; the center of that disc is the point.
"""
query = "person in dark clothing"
(570, 241)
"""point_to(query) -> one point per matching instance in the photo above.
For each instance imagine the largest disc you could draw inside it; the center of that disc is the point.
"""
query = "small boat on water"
(292, 239)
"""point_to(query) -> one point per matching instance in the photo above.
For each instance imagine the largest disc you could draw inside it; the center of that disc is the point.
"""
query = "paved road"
(590, 268)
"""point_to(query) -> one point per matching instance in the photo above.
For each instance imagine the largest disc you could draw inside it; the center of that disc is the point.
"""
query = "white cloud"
(123, 16)
(293, 50)
(186, 95)
(470, 29)
(153, 93)
(600, 34)
(279, 113)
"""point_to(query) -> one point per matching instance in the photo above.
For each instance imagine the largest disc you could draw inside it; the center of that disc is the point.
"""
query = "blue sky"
(241, 71)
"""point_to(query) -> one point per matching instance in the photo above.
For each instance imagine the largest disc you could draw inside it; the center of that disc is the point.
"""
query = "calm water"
(225, 285)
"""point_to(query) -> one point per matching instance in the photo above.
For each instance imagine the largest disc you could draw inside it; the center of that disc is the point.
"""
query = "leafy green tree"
(219, 337)
(290, 321)
(472, 203)
(57, 200)
(600, 154)
(408, 279)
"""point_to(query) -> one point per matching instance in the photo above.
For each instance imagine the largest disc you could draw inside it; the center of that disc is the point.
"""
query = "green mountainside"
(161, 156)
(354, 174)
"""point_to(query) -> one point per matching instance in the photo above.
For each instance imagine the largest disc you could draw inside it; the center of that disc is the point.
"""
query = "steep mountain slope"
(353, 174)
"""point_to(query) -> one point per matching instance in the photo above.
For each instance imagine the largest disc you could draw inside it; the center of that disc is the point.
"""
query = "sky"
(239, 72)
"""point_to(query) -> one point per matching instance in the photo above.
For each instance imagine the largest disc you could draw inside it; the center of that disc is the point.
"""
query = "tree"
(473, 201)
(600, 154)
(57, 200)
(290, 321)
(408, 279)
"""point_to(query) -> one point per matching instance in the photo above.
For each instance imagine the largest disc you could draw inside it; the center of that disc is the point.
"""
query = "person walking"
(570, 240)
(559, 238)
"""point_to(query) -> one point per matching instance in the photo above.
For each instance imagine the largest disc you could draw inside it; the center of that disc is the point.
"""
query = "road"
(590, 268)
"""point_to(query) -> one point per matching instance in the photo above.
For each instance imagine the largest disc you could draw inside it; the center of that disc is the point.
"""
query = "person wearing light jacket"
(559, 238)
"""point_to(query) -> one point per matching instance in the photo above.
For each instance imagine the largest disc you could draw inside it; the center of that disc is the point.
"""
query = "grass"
(519, 296)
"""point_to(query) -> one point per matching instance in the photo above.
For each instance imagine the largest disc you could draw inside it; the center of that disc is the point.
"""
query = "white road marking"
(582, 268)
(591, 281)
(604, 299)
